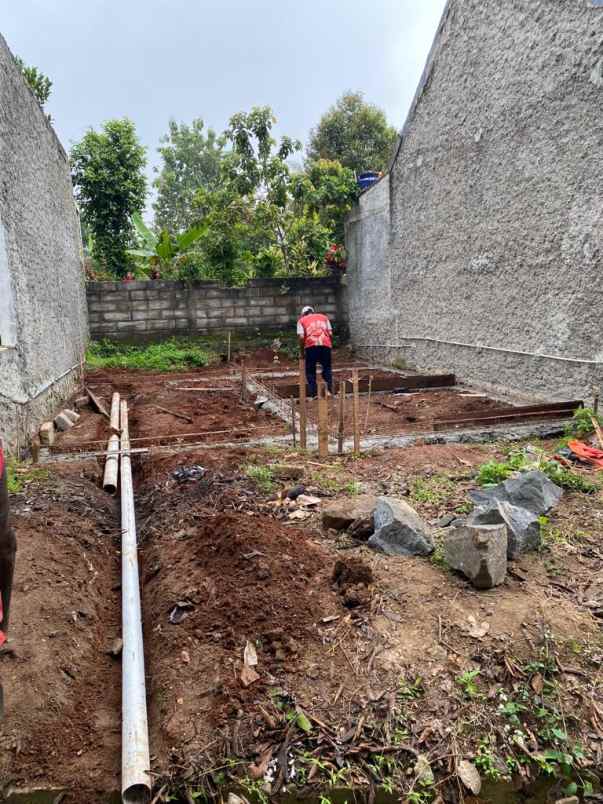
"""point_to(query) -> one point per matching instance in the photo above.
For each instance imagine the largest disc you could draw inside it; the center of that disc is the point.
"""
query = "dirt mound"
(249, 575)
(353, 579)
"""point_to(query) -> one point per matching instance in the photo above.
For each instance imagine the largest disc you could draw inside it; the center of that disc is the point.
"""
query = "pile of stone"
(504, 524)
(62, 422)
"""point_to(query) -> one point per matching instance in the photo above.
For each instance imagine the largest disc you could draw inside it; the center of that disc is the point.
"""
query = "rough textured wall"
(496, 218)
(138, 311)
(42, 276)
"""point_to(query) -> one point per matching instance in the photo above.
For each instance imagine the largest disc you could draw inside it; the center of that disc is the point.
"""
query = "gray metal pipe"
(136, 764)
(112, 462)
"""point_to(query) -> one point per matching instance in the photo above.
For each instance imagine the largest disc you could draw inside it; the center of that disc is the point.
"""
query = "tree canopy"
(39, 83)
(190, 159)
(355, 133)
(110, 185)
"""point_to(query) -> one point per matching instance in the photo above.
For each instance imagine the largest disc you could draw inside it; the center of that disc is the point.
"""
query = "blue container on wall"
(367, 179)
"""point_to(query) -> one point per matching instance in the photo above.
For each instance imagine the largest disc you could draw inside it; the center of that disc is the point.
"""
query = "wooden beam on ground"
(553, 410)
(98, 404)
(293, 422)
(174, 413)
(394, 384)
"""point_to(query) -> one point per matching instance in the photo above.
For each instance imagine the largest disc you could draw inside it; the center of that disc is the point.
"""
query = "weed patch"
(262, 477)
(171, 355)
(19, 475)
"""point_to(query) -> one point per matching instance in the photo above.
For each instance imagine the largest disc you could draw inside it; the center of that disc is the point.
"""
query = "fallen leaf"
(185, 656)
(303, 722)
(307, 501)
(250, 656)
(423, 770)
(469, 776)
(248, 676)
(537, 683)
(475, 629)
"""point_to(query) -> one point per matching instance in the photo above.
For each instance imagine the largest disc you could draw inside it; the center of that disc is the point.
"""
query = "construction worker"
(8, 547)
(314, 332)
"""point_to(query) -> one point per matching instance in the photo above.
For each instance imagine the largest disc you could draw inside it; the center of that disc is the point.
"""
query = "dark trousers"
(315, 355)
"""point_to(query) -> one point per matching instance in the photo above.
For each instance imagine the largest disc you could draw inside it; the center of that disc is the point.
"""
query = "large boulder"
(479, 552)
(399, 530)
(530, 490)
(523, 527)
(340, 514)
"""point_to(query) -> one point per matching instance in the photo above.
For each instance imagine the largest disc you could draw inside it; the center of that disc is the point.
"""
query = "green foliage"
(262, 476)
(494, 472)
(581, 424)
(163, 251)
(354, 133)
(191, 159)
(467, 681)
(107, 169)
(19, 475)
(485, 762)
(433, 490)
(169, 355)
(326, 190)
(39, 83)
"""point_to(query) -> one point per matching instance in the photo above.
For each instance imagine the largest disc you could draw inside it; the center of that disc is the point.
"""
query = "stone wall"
(138, 311)
(481, 253)
(43, 322)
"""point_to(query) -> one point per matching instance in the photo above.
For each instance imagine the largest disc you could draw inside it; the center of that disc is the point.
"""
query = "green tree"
(191, 159)
(328, 190)
(39, 83)
(108, 175)
(355, 133)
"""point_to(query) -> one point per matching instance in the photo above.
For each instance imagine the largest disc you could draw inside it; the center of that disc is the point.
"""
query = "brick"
(140, 315)
(138, 295)
(47, 434)
(159, 304)
(118, 316)
(237, 322)
(136, 326)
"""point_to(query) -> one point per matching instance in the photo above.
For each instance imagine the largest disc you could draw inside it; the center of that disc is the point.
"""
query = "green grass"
(261, 475)
(493, 472)
(433, 490)
(170, 355)
(18, 475)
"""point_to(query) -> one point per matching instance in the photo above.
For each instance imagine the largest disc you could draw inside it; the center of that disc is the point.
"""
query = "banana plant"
(162, 250)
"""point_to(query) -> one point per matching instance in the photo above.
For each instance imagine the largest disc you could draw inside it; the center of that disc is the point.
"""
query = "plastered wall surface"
(492, 232)
(44, 302)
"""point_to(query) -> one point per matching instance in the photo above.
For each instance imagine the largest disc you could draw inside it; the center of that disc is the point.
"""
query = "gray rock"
(479, 552)
(340, 514)
(530, 490)
(523, 527)
(399, 530)
(62, 422)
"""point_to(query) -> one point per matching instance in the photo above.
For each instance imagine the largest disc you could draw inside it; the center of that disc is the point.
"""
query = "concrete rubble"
(479, 552)
(399, 530)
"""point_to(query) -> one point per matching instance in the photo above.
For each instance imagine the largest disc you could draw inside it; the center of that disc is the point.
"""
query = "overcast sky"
(158, 59)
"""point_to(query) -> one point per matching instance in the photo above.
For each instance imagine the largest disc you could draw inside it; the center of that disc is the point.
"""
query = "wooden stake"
(595, 401)
(243, 382)
(323, 420)
(303, 420)
(355, 412)
(228, 349)
(293, 422)
(598, 431)
(341, 424)
(368, 404)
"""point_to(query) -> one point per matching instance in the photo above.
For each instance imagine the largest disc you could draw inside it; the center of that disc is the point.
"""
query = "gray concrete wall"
(43, 319)
(488, 260)
(139, 311)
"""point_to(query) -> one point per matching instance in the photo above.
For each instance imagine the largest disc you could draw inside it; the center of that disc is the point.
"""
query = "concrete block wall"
(139, 311)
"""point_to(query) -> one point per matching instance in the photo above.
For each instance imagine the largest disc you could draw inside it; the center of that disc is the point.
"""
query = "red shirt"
(315, 329)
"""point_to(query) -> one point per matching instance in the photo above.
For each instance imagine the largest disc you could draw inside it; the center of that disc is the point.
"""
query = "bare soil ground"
(359, 655)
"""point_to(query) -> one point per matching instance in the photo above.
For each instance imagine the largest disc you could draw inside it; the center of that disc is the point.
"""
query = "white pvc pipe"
(112, 462)
(135, 763)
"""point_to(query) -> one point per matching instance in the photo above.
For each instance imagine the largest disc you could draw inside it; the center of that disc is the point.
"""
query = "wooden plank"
(293, 422)
(503, 418)
(98, 404)
(174, 413)
(516, 412)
